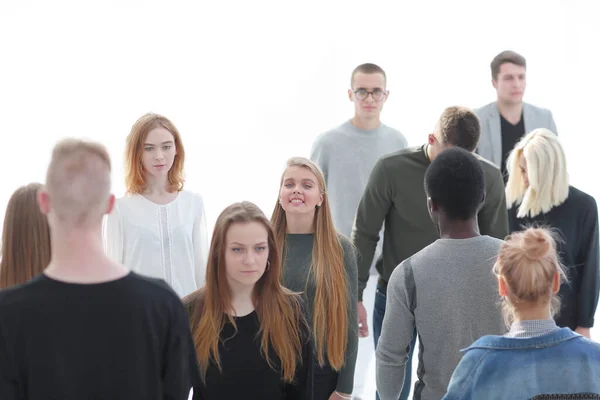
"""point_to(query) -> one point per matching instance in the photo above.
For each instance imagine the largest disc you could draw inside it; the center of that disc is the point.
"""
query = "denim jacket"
(553, 365)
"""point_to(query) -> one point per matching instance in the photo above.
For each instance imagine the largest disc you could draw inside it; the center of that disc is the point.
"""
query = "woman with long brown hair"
(158, 229)
(321, 264)
(250, 336)
(25, 238)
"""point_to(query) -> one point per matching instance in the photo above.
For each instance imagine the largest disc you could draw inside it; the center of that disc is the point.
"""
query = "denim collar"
(505, 343)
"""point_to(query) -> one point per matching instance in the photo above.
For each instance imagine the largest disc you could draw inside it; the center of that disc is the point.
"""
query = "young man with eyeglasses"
(347, 153)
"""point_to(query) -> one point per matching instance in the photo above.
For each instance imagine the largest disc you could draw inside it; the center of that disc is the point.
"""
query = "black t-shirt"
(125, 339)
(511, 134)
(576, 223)
(245, 373)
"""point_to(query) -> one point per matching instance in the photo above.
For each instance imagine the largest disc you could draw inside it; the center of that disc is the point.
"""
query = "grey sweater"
(296, 276)
(449, 293)
(346, 155)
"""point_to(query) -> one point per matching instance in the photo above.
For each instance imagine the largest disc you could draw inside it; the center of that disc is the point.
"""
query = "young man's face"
(510, 83)
(368, 105)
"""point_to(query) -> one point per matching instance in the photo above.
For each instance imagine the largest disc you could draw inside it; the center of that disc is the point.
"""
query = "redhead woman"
(158, 229)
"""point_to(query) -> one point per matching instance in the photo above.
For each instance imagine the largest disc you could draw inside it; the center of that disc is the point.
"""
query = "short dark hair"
(368, 68)
(507, 56)
(460, 127)
(456, 183)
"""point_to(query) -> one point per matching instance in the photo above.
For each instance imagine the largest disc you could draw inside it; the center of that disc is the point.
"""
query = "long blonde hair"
(546, 173)
(330, 326)
(527, 262)
(278, 309)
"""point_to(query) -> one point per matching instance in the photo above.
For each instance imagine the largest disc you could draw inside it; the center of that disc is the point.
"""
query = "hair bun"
(537, 243)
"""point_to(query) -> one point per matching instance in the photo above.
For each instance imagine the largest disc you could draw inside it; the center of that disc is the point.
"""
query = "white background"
(251, 83)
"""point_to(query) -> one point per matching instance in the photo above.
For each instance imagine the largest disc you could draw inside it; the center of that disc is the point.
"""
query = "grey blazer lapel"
(528, 118)
(495, 135)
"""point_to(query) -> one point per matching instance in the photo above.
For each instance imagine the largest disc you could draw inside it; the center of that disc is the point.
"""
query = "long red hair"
(278, 309)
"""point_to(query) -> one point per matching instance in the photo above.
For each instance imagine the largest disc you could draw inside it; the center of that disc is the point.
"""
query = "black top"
(511, 134)
(124, 339)
(576, 220)
(245, 372)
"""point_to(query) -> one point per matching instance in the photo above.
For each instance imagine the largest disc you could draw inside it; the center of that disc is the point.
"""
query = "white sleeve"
(200, 242)
(113, 236)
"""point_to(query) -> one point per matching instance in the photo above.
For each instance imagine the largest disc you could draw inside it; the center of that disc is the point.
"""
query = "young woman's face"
(158, 152)
(246, 253)
(300, 192)
(523, 168)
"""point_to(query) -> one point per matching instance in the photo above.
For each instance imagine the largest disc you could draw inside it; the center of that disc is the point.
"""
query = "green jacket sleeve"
(493, 216)
(370, 215)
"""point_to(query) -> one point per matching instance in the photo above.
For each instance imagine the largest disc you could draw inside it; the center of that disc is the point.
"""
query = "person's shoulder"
(189, 195)
(402, 271)
(537, 109)
(582, 197)
(485, 110)
(492, 241)
(488, 166)
(401, 156)
(14, 297)
(152, 288)
(332, 135)
(129, 198)
(345, 242)
(192, 303)
(393, 132)
(348, 247)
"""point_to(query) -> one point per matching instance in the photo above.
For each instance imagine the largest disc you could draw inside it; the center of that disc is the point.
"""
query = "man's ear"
(43, 200)
(111, 204)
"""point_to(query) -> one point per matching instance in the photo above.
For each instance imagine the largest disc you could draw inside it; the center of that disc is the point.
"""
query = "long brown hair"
(330, 326)
(25, 238)
(278, 309)
(135, 181)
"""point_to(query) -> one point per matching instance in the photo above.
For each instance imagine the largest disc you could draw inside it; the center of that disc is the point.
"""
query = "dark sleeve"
(493, 217)
(302, 388)
(8, 379)
(180, 369)
(370, 215)
(345, 383)
(590, 276)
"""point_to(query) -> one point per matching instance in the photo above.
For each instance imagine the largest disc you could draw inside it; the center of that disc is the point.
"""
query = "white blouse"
(163, 241)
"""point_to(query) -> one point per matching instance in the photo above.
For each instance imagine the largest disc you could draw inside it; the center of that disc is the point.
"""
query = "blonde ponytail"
(527, 263)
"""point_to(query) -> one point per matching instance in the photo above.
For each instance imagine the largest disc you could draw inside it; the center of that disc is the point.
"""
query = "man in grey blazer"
(506, 120)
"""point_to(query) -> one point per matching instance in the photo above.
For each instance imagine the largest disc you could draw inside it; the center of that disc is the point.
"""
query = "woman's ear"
(502, 287)
(556, 283)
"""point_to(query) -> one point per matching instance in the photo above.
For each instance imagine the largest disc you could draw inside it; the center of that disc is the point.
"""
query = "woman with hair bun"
(536, 357)
(538, 193)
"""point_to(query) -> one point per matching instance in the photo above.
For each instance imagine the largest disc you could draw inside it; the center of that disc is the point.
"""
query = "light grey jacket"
(490, 142)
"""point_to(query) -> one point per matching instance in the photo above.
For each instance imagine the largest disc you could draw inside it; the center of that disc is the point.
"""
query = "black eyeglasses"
(376, 94)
